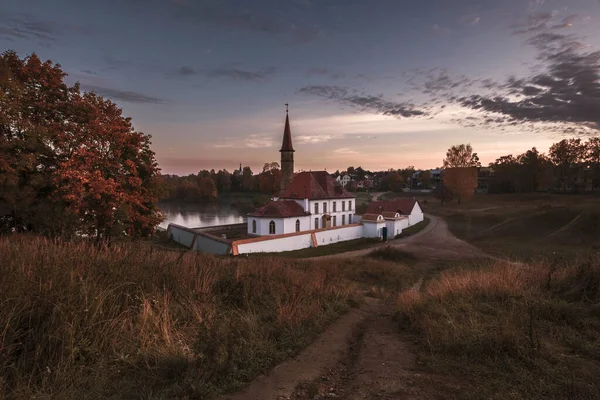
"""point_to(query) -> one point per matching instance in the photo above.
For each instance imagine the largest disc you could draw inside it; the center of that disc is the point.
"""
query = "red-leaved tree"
(84, 161)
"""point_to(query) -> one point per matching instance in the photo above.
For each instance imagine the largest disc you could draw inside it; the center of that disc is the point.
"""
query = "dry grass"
(511, 332)
(131, 322)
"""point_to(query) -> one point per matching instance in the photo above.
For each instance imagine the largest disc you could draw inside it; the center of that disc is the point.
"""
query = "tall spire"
(287, 154)
(287, 133)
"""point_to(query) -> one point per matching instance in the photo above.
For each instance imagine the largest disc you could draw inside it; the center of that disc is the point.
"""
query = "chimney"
(305, 201)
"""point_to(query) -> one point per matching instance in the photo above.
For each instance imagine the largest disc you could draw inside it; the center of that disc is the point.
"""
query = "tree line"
(207, 185)
(571, 165)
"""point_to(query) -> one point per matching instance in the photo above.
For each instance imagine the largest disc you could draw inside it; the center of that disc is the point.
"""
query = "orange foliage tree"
(461, 181)
(71, 153)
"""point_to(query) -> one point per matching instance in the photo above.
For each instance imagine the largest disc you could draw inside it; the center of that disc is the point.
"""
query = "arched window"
(253, 226)
(297, 225)
(272, 227)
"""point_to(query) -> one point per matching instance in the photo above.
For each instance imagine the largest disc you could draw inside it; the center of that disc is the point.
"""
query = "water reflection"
(200, 215)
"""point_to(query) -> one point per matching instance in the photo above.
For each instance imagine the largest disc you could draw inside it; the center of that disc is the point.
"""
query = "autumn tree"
(425, 178)
(461, 156)
(592, 161)
(567, 155)
(395, 182)
(462, 182)
(269, 181)
(70, 161)
(247, 182)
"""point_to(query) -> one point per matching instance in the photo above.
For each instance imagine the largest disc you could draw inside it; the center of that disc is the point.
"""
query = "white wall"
(373, 229)
(396, 226)
(294, 242)
(181, 235)
(416, 216)
(301, 241)
(338, 212)
(331, 236)
(201, 241)
(282, 225)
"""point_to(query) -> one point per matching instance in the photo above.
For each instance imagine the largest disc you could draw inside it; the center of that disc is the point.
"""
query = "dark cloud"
(566, 92)
(543, 21)
(239, 74)
(236, 74)
(27, 26)
(362, 101)
(232, 15)
(122, 95)
(324, 72)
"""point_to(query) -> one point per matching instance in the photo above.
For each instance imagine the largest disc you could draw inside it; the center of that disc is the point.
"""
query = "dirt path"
(363, 355)
(434, 242)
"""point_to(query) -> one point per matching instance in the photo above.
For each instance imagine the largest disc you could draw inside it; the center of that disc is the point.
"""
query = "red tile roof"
(279, 209)
(315, 185)
(287, 136)
(403, 206)
(389, 214)
(370, 217)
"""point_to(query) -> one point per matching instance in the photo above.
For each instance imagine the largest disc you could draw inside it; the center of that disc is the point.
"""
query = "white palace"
(312, 209)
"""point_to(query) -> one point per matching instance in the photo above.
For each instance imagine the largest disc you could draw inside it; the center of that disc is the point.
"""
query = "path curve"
(362, 355)
(434, 242)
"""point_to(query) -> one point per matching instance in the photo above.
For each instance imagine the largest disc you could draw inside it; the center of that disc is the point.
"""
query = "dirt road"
(434, 242)
(363, 355)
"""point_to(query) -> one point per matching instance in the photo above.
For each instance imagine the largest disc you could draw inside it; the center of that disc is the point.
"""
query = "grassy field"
(500, 331)
(129, 321)
(411, 230)
(526, 226)
(335, 248)
(497, 330)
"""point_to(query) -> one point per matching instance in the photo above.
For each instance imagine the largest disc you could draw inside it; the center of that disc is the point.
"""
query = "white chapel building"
(308, 200)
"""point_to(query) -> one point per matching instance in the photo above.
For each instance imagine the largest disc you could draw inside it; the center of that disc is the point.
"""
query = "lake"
(196, 215)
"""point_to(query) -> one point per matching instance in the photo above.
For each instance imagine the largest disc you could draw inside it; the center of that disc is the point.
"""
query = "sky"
(376, 83)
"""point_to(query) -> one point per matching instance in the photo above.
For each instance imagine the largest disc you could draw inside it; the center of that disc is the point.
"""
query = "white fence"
(200, 241)
(297, 241)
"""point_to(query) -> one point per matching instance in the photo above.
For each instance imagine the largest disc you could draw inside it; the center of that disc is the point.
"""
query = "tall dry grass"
(511, 331)
(129, 321)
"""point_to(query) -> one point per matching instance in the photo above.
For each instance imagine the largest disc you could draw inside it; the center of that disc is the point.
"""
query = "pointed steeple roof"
(287, 134)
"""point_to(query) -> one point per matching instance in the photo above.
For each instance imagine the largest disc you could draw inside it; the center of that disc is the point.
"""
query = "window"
(316, 208)
(272, 227)
(350, 206)
(253, 226)
(343, 206)
(334, 206)
(349, 218)
(324, 208)
(297, 225)
(334, 220)
(343, 220)
(316, 223)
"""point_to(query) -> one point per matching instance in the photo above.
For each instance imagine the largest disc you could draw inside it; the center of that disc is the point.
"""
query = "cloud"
(236, 74)
(239, 74)
(324, 72)
(544, 21)
(122, 95)
(362, 101)
(313, 139)
(230, 15)
(345, 152)
(567, 91)
(27, 26)
(558, 95)
(258, 141)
